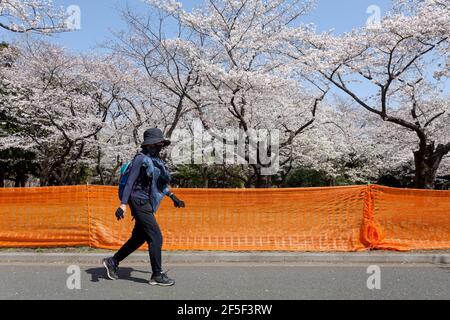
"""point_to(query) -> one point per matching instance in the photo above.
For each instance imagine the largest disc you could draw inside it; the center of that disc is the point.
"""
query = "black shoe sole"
(154, 283)
(107, 270)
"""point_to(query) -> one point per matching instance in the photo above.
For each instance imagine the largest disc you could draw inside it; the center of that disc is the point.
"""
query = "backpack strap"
(131, 162)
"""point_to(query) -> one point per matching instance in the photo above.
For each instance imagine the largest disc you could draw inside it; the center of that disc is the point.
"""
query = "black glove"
(119, 214)
(177, 202)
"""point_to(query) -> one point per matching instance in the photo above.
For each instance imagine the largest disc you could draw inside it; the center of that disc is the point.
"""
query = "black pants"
(146, 229)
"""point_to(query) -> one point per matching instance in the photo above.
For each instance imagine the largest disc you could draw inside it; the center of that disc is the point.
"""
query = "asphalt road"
(228, 282)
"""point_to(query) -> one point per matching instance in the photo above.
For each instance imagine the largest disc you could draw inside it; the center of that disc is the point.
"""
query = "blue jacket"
(149, 179)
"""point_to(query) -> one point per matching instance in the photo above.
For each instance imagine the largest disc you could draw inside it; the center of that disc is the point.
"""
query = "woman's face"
(154, 149)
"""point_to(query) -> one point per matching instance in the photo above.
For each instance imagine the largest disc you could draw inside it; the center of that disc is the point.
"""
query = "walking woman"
(148, 182)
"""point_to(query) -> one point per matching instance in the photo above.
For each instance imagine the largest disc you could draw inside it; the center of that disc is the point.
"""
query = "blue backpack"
(125, 170)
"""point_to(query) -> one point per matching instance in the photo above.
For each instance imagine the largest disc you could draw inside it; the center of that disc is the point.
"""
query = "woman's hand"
(177, 202)
(120, 212)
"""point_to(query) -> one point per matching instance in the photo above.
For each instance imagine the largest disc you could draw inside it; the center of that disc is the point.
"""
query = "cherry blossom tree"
(241, 83)
(168, 70)
(241, 65)
(58, 107)
(35, 16)
(406, 61)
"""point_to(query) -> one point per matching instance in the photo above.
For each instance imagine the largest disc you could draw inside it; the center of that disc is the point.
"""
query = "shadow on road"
(124, 274)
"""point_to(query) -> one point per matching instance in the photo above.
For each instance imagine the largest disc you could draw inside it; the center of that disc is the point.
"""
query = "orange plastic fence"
(349, 218)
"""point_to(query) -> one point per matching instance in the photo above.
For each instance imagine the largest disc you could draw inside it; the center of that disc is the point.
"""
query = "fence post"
(370, 232)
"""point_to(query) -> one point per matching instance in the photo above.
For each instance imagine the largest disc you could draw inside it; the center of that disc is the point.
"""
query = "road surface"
(227, 282)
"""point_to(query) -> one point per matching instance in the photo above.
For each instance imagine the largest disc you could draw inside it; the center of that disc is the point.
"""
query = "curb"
(233, 257)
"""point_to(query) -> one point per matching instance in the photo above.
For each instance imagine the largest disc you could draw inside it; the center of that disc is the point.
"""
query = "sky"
(100, 17)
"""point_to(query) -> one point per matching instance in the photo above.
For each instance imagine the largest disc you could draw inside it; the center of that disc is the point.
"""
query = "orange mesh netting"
(44, 217)
(311, 219)
(412, 219)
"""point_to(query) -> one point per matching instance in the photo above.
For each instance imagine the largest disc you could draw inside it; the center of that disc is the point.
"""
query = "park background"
(356, 107)
(74, 103)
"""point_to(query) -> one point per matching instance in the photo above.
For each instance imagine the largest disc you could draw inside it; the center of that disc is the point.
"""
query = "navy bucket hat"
(154, 136)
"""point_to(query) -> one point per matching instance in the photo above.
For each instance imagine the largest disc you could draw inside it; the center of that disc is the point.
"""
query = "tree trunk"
(20, 180)
(44, 173)
(2, 177)
(204, 174)
(23, 181)
(427, 161)
(44, 179)
(262, 181)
